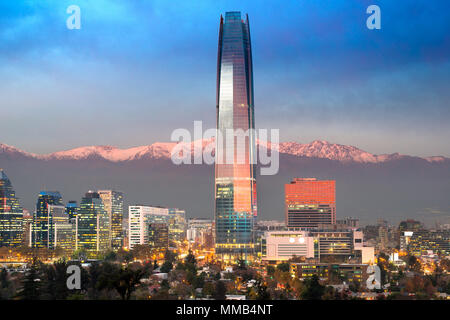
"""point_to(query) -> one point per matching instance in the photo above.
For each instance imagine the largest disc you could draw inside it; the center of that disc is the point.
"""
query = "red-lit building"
(310, 202)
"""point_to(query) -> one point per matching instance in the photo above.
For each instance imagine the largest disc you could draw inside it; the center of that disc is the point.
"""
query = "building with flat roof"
(310, 202)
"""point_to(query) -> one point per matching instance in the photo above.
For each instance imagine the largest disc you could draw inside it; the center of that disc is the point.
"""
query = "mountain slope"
(316, 149)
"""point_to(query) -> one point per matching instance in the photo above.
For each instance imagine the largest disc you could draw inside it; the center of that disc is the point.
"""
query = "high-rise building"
(158, 235)
(139, 217)
(310, 202)
(11, 214)
(71, 210)
(113, 203)
(42, 218)
(235, 183)
(61, 233)
(92, 224)
(177, 225)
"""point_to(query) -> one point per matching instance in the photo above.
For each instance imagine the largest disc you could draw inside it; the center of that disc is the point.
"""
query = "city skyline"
(389, 97)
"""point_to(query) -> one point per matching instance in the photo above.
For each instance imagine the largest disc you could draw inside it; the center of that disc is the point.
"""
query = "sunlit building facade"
(113, 204)
(235, 184)
(310, 202)
(11, 214)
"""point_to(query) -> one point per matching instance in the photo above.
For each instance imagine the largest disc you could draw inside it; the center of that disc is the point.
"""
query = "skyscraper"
(42, 218)
(92, 224)
(235, 184)
(310, 202)
(113, 203)
(11, 214)
(71, 210)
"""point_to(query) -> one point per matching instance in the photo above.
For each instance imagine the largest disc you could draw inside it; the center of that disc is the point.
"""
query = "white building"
(139, 216)
(283, 245)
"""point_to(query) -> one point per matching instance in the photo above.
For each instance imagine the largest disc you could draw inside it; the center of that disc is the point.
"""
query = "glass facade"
(235, 184)
(42, 218)
(11, 214)
(92, 224)
(113, 203)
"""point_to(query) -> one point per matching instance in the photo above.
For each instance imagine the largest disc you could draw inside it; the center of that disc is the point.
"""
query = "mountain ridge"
(321, 149)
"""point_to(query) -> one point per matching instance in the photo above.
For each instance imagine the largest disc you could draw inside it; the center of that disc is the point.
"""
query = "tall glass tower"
(11, 214)
(42, 218)
(235, 184)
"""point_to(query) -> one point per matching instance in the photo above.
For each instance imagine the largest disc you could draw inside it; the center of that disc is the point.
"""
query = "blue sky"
(137, 70)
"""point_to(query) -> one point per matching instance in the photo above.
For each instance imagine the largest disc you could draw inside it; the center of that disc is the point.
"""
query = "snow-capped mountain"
(317, 149)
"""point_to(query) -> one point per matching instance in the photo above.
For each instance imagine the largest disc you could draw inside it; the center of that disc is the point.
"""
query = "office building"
(139, 217)
(235, 183)
(42, 218)
(158, 235)
(71, 210)
(310, 202)
(113, 204)
(11, 214)
(92, 225)
(177, 226)
(284, 245)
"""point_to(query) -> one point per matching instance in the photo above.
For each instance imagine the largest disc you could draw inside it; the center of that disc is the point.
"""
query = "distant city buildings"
(11, 214)
(310, 202)
(200, 232)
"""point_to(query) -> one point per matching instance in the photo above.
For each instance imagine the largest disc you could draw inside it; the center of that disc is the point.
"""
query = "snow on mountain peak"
(162, 150)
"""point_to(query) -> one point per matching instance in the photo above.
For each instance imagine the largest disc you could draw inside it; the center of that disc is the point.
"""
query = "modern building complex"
(139, 217)
(11, 214)
(310, 202)
(284, 245)
(113, 204)
(235, 184)
(42, 218)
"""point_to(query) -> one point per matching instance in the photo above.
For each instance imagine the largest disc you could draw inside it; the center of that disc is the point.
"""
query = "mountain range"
(316, 149)
(368, 186)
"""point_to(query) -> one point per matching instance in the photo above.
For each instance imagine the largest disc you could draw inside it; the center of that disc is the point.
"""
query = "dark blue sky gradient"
(137, 70)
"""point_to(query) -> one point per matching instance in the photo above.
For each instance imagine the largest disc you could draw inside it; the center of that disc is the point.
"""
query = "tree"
(170, 256)
(166, 267)
(270, 270)
(31, 286)
(6, 290)
(190, 258)
(284, 267)
(220, 291)
(124, 280)
(312, 290)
